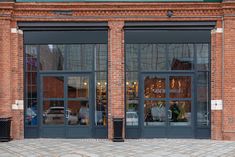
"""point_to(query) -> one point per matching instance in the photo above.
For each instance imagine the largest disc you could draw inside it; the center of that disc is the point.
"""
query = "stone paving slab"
(106, 148)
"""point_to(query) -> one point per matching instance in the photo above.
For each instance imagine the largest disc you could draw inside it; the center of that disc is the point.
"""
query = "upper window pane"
(202, 56)
(153, 57)
(31, 57)
(132, 57)
(180, 56)
(51, 57)
(78, 87)
(79, 57)
(53, 87)
(101, 57)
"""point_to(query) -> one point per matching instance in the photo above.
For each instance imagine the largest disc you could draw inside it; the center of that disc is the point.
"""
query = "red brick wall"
(116, 84)
(11, 50)
(228, 114)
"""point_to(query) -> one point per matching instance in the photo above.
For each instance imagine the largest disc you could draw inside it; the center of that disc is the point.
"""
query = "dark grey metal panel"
(31, 132)
(154, 132)
(61, 25)
(203, 133)
(52, 132)
(133, 133)
(180, 132)
(171, 25)
(78, 132)
(65, 37)
(167, 36)
(100, 132)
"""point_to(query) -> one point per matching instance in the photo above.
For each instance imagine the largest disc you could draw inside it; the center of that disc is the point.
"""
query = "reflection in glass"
(153, 57)
(180, 86)
(31, 62)
(53, 87)
(132, 117)
(101, 51)
(132, 85)
(154, 112)
(31, 57)
(154, 87)
(131, 51)
(180, 56)
(80, 57)
(53, 112)
(202, 99)
(101, 99)
(202, 56)
(78, 87)
(78, 113)
(31, 112)
(51, 57)
(179, 113)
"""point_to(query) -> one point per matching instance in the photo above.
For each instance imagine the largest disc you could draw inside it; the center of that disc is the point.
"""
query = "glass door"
(65, 106)
(167, 105)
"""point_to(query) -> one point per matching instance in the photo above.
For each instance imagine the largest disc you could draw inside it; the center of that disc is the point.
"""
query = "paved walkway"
(105, 148)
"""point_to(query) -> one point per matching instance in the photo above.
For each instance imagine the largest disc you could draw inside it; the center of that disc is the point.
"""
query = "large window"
(59, 59)
(186, 58)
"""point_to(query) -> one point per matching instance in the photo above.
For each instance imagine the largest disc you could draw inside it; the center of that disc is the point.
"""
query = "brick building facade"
(116, 15)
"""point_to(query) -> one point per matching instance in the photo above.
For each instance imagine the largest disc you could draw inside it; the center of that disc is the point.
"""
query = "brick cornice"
(121, 10)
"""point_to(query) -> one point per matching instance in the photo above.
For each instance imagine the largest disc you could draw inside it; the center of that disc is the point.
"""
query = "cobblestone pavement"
(105, 148)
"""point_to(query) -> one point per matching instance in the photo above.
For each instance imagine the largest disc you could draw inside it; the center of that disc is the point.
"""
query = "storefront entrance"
(167, 79)
(167, 105)
(65, 80)
(65, 105)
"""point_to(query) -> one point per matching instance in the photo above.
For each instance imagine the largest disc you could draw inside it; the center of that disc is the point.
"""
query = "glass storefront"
(66, 85)
(167, 88)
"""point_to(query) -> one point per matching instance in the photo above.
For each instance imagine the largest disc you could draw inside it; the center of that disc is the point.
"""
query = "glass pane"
(179, 113)
(132, 116)
(203, 99)
(53, 87)
(80, 57)
(154, 113)
(131, 51)
(31, 57)
(132, 85)
(52, 57)
(154, 87)
(31, 112)
(202, 56)
(78, 112)
(180, 56)
(101, 99)
(153, 57)
(53, 112)
(180, 86)
(78, 87)
(101, 57)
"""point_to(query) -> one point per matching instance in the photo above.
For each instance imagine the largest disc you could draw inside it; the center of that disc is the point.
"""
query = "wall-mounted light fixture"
(169, 13)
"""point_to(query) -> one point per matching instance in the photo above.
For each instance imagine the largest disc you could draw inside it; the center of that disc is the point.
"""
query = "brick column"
(228, 121)
(17, 82)
(216, 80)
(116, 74)
(5, 68)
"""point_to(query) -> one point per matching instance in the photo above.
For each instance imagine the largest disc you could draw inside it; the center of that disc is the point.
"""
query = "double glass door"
(167, 105)
(65, 105)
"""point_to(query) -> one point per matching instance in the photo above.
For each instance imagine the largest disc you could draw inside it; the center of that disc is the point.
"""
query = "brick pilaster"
(216, 80)
(116, 74)
(5, 68)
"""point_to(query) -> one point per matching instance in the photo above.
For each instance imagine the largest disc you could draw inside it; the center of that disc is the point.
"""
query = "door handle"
(169, 114)
(67, 114)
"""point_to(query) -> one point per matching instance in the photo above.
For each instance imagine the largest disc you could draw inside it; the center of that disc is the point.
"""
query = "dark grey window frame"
(148, 32)
(95, 33)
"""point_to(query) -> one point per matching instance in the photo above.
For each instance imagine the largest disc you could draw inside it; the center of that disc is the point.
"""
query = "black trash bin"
(5, 129)
(117, 129)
